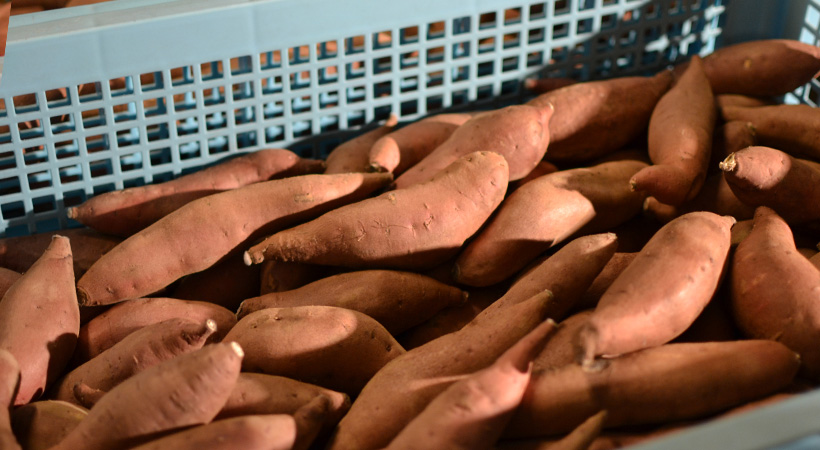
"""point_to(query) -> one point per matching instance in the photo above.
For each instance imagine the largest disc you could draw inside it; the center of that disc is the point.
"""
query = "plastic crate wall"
(177, 85)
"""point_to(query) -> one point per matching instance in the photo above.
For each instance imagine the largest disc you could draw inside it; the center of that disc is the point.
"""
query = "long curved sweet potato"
(9, 382)
(124, 212)
(545, 212)
(405, 386)
(187, 390)
(655, 385)
(137, 352)
(768, 67)
(472, 412)
(663, 290)
(412, 228)
(202, 232)
(43, 424)
(122, 319)
(40, 320)
(595, 118)
(763, 176)
(794, 129)
(354, 155)
(342, 350)
(520, 133)
(403, 148)
(680, 139)
(775, 290)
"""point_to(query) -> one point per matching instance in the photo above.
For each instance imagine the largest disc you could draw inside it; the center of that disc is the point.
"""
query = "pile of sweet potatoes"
(610, 262)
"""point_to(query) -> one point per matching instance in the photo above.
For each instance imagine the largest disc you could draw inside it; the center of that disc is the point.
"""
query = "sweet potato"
(763, 176)
(581, 438)
(43, 424)
(723, 100)
(730, 137)
(258, 432)
(680, 139)
(595, 118)
(127, 211)
(310, 420)
(655, 385)
(403, 148)
(87, 246)
(520, 133)
(542, 85)
(775, 290)
(187, 390)
(715, 323)
(413, 228)
(122, 319)
(354, 154)
(226, 283)
(9, 382)
(280, 276)
(663, 290)
(472, 412)
(7, 278)
(768, 67)
(794, 129)
(609, 273)
(815, 260)
(558, 350)
(543, 168)
(544, 213)
(137, 352)
(397, 300)
(404, 387)
(42, 348)
(258, 393)
(324, 356)
(715, 196)
(173, 246)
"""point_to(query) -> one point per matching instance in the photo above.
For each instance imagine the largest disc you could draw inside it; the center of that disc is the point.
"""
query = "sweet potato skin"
(271, 432)
(42, 349)
(794, 129)
(354, 154)
(414, 228)
(775, 290)
(9, 382)
(87, 246)
(43, 424)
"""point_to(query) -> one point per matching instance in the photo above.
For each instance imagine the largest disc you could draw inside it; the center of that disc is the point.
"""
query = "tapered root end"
(728, 164)
(392, 120)
(71, 213)
(251, 260)
(237, 349)
(210, 326)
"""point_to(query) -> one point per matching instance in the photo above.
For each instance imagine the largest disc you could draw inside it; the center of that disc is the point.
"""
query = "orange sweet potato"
(403, 148)
(763, 176)
(775, 290)
(397, 300)
(719, 374)
(413, 228)
(173, 246)
(187, 390)
(43, 424)
(595, 118)
(663, 290)
(544, 213)
(323, 356)
(768, 67)
(794, 129)
(680, 139)
(520, 133)
(715, 196)
(354, 155)
(42, 348)
(126, 211)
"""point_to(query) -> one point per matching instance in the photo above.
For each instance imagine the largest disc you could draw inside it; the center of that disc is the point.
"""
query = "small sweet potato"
(520, 133)
(354, 154)
(43, 424)
(775, 290)
(680, 139)
(127, 211)
(412, 228)
(397, 300)
(403, 148)
(200, 233)
(663, 290)
(343, 349)
(794, 129)
(41, 347)
(187, 390)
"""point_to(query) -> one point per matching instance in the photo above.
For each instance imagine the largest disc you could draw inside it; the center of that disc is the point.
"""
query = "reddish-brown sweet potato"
(680, 139)
(776, 291)
(9, 382)
(663, 290)
(280, 276)
(342, 350)
(403, 148)
(610, 272)
(126, 211)
(544, 213)
(197, 235)
(763, 176)
(87, 246)
(655, 385)
(187, 390)
(43, 424)
(794, 129)
(257, 432)
(730, 137)
(413, 228)
(595, 118)
(40, 320)
(397, 300)
(354, 155)
(520, 133)
(715, 196)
